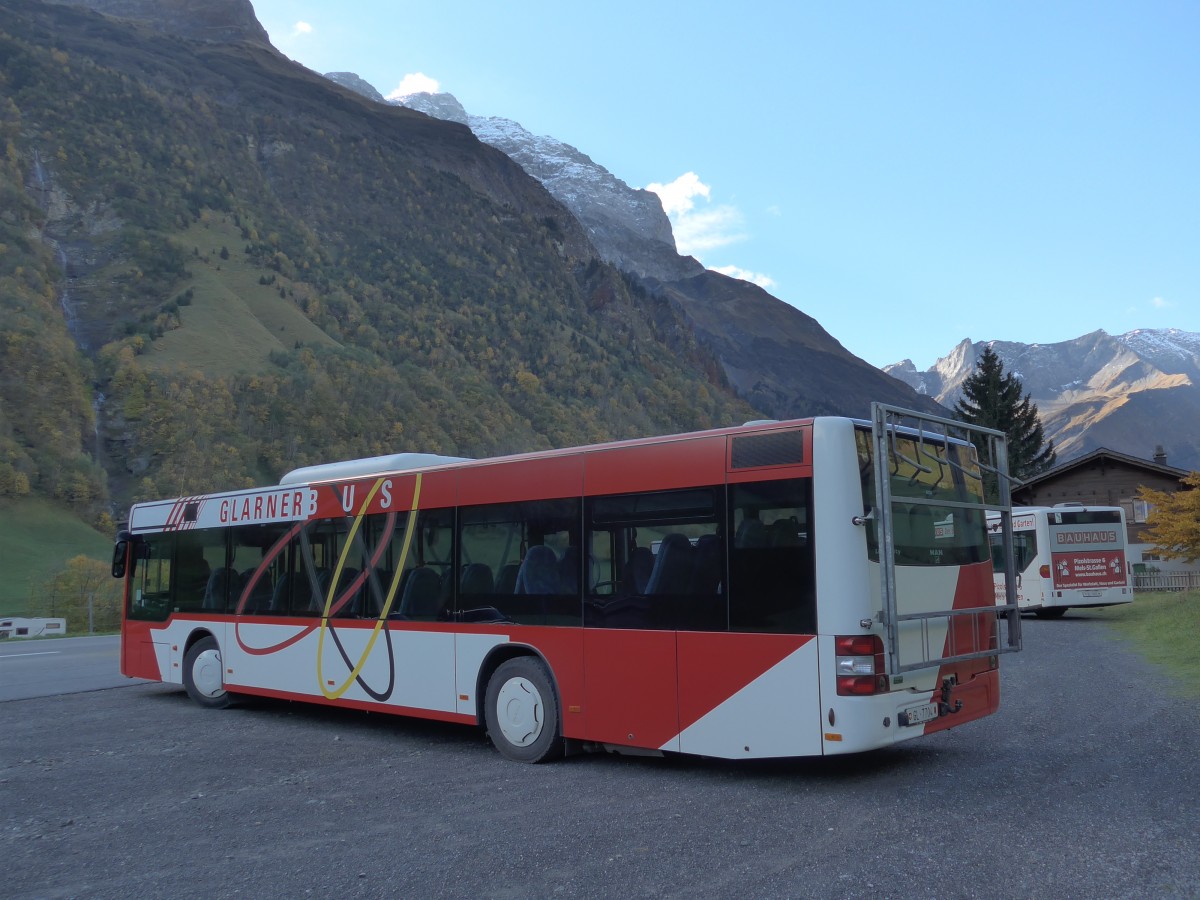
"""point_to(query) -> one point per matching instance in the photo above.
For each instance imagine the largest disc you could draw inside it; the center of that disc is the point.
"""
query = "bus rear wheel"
(203, 674)
(521, 711)
(1050, 612)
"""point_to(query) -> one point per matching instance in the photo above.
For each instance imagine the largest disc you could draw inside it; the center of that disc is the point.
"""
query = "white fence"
(1166, 581)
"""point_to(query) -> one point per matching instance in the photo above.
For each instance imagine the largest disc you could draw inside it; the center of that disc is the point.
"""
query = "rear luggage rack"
(918, 638)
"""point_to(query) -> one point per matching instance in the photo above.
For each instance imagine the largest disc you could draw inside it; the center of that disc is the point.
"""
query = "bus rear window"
(923, 472)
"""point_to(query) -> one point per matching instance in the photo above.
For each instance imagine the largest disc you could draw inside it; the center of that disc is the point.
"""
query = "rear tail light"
(1044, 571)
(859, 665)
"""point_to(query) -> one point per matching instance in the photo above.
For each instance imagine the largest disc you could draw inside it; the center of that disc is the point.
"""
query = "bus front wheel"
(521, 711)
(203, 675)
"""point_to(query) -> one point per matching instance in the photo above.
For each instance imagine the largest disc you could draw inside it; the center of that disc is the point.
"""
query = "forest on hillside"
(216, 266)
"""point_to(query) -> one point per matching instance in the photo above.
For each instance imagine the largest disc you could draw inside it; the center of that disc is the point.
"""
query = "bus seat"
(751, 533)
(216, 592)
(350, 608)
(477, 579)
(316, 599)
(375, 588)
(506, 580)
(539, 571)
(422, 594)
(568, 571)
(637, 571)
(261, 594)
(706, 579)
(784, 534)
(672, 567)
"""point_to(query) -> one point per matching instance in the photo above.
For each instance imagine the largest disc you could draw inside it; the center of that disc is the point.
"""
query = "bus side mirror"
(120, 554)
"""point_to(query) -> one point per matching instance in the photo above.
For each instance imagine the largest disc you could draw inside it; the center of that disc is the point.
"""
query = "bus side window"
(772, 585)
(519, 562)
(256, 561)
(657, 561)
(198, 554)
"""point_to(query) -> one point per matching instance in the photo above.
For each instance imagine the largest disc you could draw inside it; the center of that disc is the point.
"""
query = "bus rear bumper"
(856, 724)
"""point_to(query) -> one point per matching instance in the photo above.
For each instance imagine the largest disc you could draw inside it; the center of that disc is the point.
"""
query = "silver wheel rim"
(206, 674)
(519, 712)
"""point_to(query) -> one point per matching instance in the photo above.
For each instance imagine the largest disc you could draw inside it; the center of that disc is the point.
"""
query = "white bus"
(1065, 555)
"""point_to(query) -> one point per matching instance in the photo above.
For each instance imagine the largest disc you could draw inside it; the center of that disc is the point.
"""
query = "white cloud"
(696, 233)
(301, 28)
(766, 282)
(699, 231)
(677, 196)
(415, 83)
(1160, 303)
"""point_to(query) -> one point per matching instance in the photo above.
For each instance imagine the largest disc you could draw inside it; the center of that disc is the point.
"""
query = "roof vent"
(775, 448)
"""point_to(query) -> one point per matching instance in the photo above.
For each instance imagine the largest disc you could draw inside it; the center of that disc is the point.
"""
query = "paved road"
(1084, 785)
(61, 666)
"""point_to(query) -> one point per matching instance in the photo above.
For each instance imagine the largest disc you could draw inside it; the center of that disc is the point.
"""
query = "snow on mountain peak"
(1160, 342)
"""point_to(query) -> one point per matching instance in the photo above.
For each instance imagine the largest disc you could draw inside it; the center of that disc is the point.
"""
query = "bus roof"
(407, 462)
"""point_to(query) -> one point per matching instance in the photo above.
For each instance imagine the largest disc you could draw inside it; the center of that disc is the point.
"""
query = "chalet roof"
(1101, 455)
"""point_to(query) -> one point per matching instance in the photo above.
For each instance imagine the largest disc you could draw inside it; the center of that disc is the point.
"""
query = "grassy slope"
(1164, 629)
(233, 322)
(37, 540)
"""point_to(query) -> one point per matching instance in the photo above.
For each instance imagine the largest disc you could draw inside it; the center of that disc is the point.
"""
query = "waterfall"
(64, 301)
(97, 412)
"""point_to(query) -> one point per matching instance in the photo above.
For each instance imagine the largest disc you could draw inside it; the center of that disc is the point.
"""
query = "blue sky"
(910, 174)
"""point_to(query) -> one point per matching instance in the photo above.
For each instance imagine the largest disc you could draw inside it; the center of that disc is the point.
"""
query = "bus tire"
(203, 674)
(1050, 612)
(521, 711)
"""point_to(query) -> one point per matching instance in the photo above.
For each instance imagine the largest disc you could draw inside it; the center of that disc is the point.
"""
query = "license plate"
(918, 715)
(1091, 593)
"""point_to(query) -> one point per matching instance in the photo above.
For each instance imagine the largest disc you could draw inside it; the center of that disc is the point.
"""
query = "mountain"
(217, 265)
(775, 356)
(222, 21)
(353, 82)
(627, 225)
(1130, 392)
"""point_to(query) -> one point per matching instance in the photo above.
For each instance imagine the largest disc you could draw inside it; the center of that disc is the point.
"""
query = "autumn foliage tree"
(1174, 519)
(85, 594)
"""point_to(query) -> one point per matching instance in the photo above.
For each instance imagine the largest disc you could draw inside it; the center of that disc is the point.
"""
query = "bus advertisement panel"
(1067, 556)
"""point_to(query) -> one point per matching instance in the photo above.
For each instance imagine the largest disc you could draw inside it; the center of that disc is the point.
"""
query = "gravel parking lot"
(1084, 785)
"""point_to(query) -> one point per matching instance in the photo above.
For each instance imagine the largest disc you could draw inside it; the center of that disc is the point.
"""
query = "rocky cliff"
(776, 356)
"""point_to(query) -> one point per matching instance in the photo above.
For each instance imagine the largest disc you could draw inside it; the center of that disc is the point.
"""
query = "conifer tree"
(992, 398)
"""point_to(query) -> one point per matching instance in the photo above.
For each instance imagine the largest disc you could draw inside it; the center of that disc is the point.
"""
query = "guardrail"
(1166, 581)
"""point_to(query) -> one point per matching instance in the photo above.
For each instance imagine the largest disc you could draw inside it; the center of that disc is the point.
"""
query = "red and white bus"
(1065, 555)
(717, 593)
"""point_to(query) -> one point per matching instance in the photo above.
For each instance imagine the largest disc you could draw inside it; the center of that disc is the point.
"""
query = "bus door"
(1029, 573)
(646, 547)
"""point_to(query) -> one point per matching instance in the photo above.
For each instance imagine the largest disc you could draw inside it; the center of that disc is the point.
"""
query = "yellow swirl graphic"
(409, 528)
